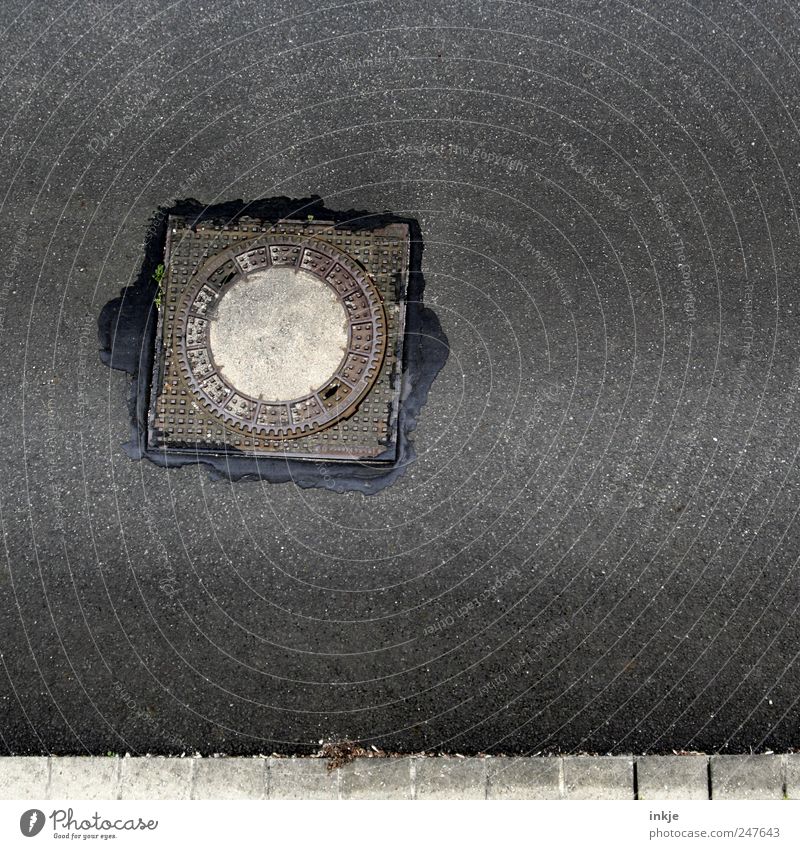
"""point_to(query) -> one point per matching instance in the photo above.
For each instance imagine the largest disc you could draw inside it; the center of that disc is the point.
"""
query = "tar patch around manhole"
(277, 340)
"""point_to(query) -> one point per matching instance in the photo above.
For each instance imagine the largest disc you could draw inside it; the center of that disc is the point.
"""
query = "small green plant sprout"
(310, 217)
(158, 276)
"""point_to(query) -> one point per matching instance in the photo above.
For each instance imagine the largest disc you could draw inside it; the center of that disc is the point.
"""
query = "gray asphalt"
(596, 549)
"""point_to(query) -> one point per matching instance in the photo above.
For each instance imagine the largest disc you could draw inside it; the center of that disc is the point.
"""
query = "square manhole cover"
(273, 344)
(280, 339)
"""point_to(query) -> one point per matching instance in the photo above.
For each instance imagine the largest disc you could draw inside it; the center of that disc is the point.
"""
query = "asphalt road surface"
(597, 547)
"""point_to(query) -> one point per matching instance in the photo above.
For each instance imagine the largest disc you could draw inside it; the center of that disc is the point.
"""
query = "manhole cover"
(280, 340)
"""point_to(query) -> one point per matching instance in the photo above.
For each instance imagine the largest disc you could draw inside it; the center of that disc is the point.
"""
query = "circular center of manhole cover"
(278, 334)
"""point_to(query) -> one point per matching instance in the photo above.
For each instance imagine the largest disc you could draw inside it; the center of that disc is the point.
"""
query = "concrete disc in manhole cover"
(279, 334)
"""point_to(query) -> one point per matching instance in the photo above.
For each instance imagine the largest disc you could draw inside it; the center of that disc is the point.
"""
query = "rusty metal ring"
(356, 373)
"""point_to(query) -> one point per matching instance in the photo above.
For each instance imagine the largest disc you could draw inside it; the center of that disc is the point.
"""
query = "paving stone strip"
(652, 777)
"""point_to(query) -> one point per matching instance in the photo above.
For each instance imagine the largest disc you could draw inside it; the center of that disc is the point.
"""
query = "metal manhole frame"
(340, 396)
